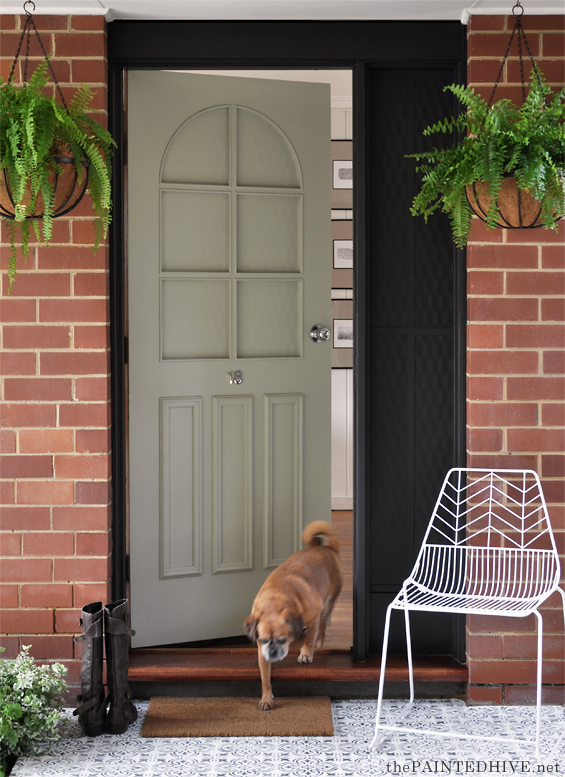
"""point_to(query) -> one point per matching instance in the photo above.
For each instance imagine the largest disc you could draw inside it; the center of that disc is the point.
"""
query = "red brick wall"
(516, 367)
(55, 483)
(55, 520)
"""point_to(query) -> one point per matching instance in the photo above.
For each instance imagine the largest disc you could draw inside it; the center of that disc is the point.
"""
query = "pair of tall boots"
(94, 715)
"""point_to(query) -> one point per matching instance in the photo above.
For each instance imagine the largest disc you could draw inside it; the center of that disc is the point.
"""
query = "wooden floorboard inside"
(339, 634)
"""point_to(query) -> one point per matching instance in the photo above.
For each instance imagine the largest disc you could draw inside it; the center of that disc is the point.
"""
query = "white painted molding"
(342, 503)
(504, 10)
(342, 103)
(43, 9)
(390, 10)
(342, 439)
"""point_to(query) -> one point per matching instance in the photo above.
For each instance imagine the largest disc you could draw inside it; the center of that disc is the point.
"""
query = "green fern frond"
(35, 128)
(527, 141)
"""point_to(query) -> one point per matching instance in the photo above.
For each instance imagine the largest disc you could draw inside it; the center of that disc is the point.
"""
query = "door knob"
(320, 333)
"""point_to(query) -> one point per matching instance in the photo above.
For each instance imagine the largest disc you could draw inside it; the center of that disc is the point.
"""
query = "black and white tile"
(346, 754)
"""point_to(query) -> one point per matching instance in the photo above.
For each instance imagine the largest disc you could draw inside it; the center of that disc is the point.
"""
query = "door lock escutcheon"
(320, 333)
(235, 377)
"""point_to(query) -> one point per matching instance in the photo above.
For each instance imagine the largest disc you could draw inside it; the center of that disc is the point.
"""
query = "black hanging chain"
(518, 28)
(29, 24)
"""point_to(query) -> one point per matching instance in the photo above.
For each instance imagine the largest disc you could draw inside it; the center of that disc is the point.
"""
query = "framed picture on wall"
(343, 254)
(342, 272)
(343, 333)
(342, 174)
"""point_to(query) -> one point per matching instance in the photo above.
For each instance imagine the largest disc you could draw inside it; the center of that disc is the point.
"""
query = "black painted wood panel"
(410, 346)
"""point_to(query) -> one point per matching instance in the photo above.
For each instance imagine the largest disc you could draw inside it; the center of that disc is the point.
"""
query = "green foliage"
(31, 698)
(526, 141)
(34, 128)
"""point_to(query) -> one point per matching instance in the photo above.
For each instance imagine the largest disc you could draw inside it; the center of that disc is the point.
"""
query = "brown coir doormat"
(238, 717)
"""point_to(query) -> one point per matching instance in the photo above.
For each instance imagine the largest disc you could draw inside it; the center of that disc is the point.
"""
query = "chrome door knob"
(320, 333)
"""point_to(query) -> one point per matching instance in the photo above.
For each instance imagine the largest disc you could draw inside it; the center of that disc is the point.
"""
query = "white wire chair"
(488, 550)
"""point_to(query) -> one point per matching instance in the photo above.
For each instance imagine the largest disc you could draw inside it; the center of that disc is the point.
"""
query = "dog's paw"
(305, 658)
(267, 703)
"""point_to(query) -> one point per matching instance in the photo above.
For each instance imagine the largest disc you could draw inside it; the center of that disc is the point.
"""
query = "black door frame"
(271, 45)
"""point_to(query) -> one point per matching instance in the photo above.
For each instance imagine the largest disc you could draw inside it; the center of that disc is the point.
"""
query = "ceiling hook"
(518, 5)
(29, 2)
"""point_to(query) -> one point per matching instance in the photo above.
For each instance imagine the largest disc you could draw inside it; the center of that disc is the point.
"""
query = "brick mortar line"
(483, 243)
(69, 244)
(513, 84)
(508, 31)
(57, 375)
(477, 268)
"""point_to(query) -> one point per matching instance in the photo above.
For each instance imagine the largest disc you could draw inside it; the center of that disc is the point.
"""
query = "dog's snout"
(274, 652)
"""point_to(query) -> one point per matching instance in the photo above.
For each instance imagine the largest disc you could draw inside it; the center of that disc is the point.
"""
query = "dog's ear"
(296, 625)
(250, 626)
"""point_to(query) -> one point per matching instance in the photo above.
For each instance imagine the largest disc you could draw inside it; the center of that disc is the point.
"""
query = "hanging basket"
(67, 190)
(63, 180)
(52, 153)
(517, 209)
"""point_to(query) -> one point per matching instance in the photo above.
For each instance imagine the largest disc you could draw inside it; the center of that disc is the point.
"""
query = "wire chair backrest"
(490, 537)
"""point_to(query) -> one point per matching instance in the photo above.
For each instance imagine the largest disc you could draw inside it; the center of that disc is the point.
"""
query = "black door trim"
(198, 45)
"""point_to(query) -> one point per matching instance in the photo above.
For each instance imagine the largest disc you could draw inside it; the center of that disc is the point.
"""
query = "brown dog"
(298, 595)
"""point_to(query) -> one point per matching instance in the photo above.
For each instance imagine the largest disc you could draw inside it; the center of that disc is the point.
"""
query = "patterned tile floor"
(346, 754)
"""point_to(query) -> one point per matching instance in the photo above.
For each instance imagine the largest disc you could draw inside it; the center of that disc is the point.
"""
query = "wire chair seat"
(488, 550)
(479, 580)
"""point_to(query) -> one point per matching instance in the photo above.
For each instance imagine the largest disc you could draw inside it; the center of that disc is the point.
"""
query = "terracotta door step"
(166, 665)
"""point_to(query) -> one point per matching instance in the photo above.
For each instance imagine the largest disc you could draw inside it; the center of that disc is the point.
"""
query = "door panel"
(411, 348)
(228, 269)
(180, 487)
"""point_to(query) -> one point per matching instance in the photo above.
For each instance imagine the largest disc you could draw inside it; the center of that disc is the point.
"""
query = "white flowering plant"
(31, 699)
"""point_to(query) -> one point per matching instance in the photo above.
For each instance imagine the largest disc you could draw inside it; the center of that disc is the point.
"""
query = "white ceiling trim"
(315, 10)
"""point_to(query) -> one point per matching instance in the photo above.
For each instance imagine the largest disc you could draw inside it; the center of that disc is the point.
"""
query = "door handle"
(320, 333)
(235, 377)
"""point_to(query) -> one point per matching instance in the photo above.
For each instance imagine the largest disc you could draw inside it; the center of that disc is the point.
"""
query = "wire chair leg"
(409, 649)
(539, 681)
(382, 677)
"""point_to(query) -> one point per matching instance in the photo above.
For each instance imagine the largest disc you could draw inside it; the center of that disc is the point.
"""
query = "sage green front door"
(229, 265)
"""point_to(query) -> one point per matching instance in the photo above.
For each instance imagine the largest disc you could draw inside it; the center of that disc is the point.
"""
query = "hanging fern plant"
(498, 141)
(39, 138)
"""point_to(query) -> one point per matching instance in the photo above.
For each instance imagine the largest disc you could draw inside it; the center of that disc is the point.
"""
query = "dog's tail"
(314, 531)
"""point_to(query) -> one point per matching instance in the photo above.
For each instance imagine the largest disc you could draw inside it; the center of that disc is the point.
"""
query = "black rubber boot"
(92, 711)
(122, 711)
